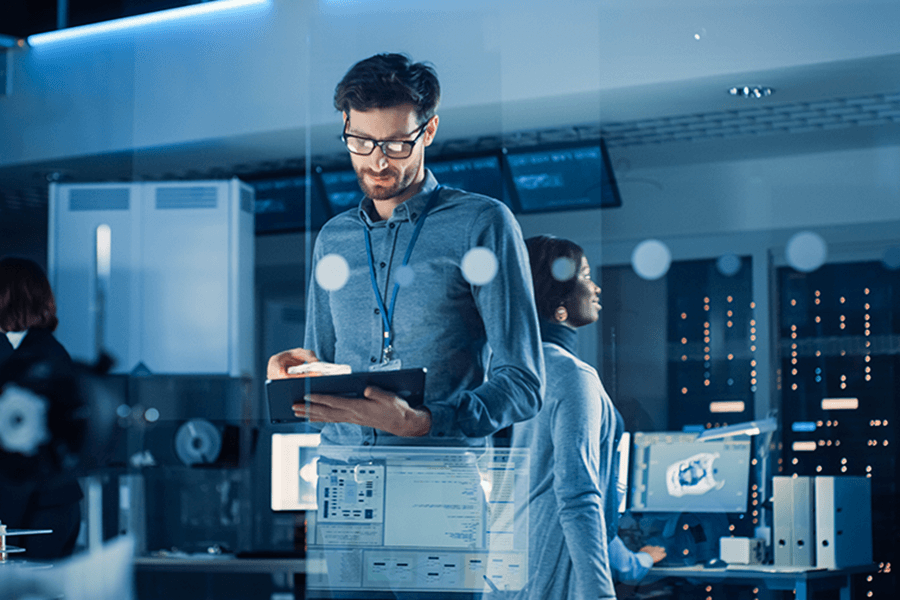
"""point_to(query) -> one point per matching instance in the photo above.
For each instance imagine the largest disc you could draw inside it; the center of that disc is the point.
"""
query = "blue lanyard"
(387, 314)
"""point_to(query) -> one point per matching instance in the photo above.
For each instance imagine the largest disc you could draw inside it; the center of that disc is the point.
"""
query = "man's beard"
(378, 192)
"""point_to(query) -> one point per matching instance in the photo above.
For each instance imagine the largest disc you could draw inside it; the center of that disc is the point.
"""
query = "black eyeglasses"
(391, 148)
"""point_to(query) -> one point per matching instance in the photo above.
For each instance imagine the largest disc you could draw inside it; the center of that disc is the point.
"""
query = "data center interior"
(732, 170)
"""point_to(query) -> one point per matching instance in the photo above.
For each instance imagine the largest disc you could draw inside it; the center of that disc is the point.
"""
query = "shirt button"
(372, 359)
(413, 216)
(367, 443)
(382, 264)
(377, 312)
(391, 225)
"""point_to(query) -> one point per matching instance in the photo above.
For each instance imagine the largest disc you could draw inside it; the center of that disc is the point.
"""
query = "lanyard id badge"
(392, 364)
(389, 362)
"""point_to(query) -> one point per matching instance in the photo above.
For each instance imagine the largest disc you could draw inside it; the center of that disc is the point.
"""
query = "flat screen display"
(294, 475)
(480, 175)
(341, 190)
(571, 177)
(672, 472)
(281, 205)
(623, 455)
(430, 521)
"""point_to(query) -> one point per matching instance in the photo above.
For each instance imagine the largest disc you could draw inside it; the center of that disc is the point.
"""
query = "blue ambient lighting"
(183, 12)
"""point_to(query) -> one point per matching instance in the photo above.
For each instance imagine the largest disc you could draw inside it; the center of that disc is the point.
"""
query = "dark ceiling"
(20, 18)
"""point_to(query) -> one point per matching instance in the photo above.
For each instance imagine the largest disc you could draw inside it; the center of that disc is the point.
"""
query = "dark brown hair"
(26, 299)
(387, 80)
(549, 292)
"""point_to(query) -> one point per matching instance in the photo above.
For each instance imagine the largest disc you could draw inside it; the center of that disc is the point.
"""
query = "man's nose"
(380, 159)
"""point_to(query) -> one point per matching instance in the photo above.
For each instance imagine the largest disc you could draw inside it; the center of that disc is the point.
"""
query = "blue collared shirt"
(627, 566)
(441, 321)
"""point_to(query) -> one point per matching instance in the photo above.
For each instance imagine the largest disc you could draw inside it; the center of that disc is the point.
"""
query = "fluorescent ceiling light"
(184, 12)
(748, 428)
(751, 91)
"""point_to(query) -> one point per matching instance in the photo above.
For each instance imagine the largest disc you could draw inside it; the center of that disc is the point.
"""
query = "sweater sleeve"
(579, 423)
(627, 566)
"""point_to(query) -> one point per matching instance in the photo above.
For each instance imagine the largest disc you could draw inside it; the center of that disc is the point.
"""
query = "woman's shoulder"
(565, 369)
(41, 344)
(563, 359)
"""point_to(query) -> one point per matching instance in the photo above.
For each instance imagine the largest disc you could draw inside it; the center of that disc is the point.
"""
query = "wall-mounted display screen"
(281, 205)
(481, 175)
(341, 190)
(672, 472)
(568, 177)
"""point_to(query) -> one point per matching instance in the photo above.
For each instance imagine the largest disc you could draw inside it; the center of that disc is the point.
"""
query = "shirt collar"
(15, 338)
(410, 210)
(559, 334)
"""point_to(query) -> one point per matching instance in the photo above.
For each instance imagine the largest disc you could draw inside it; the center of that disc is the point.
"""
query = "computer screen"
(281, 205)
(481, 175)
(570, 177)
(341, 190)
(433, 520)
(294, 475)
(624, 454)
(672, 472)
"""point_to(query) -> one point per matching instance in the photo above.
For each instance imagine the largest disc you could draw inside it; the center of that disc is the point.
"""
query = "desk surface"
(776, 577)
(749, 572)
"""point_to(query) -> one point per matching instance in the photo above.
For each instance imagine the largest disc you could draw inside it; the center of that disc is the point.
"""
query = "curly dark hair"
(387, 80)
(549, 292)
(26, 300)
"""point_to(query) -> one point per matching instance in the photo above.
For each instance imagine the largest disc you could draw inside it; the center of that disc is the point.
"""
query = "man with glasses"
(417, 295)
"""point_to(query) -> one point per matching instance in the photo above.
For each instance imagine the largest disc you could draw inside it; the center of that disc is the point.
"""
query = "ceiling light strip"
(184, 12)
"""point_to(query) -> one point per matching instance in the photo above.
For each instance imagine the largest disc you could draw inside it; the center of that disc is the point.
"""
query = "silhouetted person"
(31, 498)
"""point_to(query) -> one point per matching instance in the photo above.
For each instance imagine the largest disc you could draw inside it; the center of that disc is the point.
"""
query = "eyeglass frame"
(380, 143)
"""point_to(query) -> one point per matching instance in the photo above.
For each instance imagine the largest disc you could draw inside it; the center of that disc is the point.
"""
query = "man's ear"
(431, 130)
(561, 315)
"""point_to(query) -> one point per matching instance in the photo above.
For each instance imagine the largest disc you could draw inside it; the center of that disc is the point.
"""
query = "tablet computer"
(409, 384)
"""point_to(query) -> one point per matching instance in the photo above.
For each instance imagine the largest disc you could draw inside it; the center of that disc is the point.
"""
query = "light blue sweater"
(572, 454)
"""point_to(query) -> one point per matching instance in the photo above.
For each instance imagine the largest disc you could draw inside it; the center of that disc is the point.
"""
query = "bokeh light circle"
(332, 272)
(651, 259)
(729, 264)
(563, 268)
(806, 251)
(891, 258)
(479, 266)
(405, 275)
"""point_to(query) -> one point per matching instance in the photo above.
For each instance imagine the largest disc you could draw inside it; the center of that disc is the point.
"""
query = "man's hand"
(379, 409)
(279, 363)
(657, 553)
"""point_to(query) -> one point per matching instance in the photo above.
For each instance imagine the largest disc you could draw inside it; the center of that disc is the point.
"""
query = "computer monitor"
(341, 189)
(281, 205)
(294, 476)
(624, 454)
(673, 472)
(480, 174)
(563, 178)
(437, 521)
